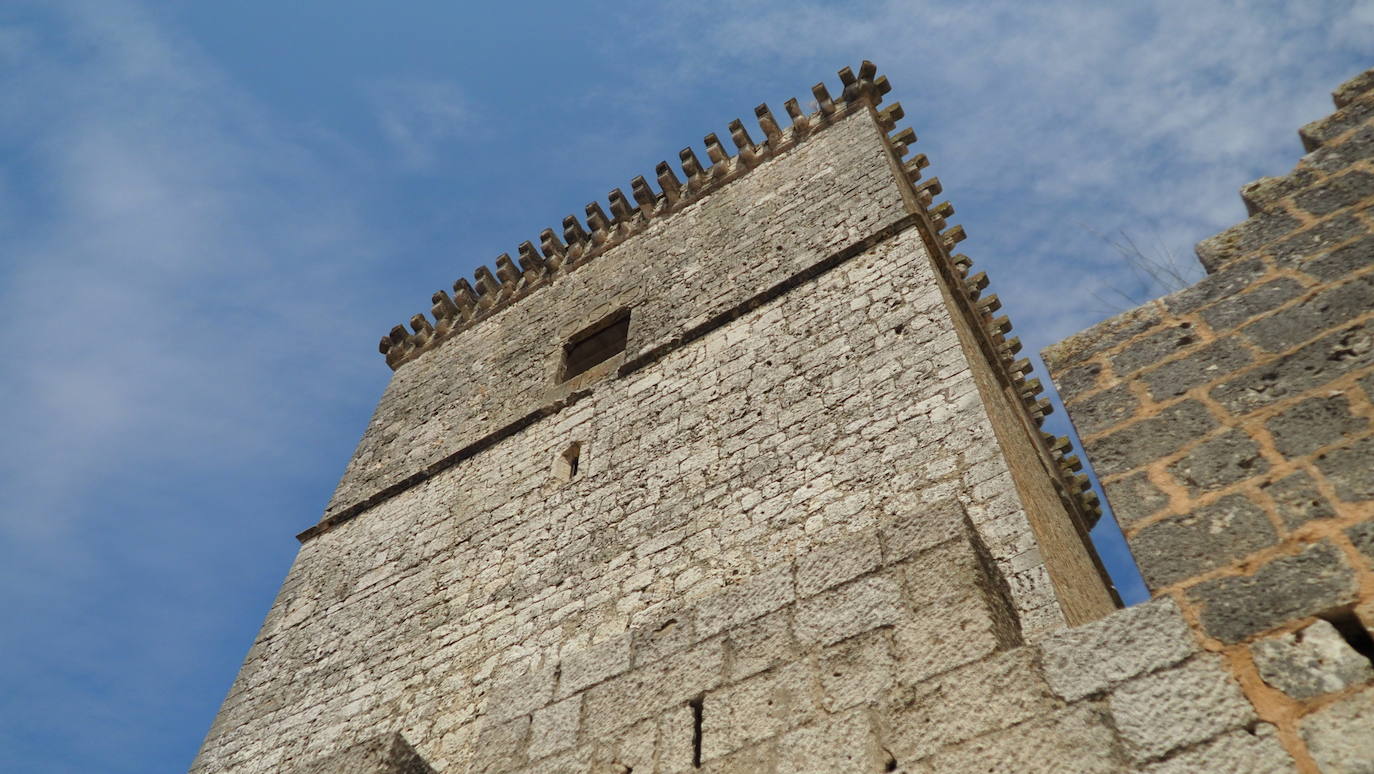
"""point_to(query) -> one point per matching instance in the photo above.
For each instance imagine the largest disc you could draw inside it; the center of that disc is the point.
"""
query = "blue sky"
(209, 213)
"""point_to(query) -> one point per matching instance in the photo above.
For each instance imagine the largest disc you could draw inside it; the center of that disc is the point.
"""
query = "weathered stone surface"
(1236, 752)
(385, 754)
(967, 702)
(589, 666)
(1090, 659)
(1349, 471)
(1289, 587)
(554, 728)
(864, 604)
(1338, 735)
(1203, 366)
(1135, 497)
(1342, 191)
(1184, 546)
(1103, 410)
(1166, 710)
(857, 671)
(1328, 308)
(1297, 500)
(1310, 662)
(1310, 366)
(1224, 459)
(759, 707)
(834, 563)
(842, 742)
(1152, 349)
(1313, 423)
(1240, 309)
(1240, 240)
(1150, 439)
(1078, 740)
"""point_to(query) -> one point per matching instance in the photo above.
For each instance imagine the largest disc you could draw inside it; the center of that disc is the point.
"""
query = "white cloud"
(420, 118)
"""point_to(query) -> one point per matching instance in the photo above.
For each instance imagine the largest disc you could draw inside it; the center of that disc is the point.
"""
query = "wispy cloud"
(174, 250)
(420, 118)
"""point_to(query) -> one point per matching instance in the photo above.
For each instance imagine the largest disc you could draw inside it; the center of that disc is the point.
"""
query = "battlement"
(535, 268)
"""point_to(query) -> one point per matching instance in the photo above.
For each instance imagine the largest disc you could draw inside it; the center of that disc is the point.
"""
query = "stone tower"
(745, 476)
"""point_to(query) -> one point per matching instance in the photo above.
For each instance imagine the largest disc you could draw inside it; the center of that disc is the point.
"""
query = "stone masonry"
(1232, 424)
(797, 514)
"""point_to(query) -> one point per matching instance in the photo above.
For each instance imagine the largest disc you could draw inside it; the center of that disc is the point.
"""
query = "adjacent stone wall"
(1232, 424)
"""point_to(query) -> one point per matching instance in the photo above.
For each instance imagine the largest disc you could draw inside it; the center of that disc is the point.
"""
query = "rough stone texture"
(1167, 710)
(1236, 752)
(683, 269)
(1339, 737)
(386, 754)
(813, 527)
(1287, 588)
(1240, 466)
(1212, 536)
(792, 505)
(1310, 662)
(1090, 659)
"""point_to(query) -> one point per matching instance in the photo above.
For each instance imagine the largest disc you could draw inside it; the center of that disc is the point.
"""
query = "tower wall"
(807, 486)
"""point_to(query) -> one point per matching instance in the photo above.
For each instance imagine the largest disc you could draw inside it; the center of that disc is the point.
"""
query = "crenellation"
(790, 506)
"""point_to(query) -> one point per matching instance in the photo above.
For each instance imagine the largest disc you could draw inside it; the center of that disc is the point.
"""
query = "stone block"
(1313, 423)
(831, 564)
(1187, 545)
(907, 527)
(842, 742)
(767, 704)
(1349, 471)
(668, 632)
(1219, 461)
(861, 605)
(1329, 308)
(1235, 752)
(1089, 659)
(1362, 537)
(1297, 500)
(1134, 497)
(1103, 336)
(1154, 348)
(520, 693)
(1345, 190)
(1150, 439)
(756, 595)
(1238, 241)
(1184, 705)
(1223, 284)
(761, 644)
(969, 701)
(1285, 589)
(940, 637)
(384, 754)
(589, 666)
(1308, 367)
(1310, 662)
(1240, 309)
(1338, 735)
(1341, 262)
(856, 671)
(1103, 410)
(653, 688)
(1203, 366)
(500, 747)
(1078, 739)
(554, 728)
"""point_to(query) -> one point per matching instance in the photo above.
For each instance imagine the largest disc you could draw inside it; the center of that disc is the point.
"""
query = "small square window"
(596, 345)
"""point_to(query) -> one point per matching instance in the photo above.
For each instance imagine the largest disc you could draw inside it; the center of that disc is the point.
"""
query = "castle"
(747, 475)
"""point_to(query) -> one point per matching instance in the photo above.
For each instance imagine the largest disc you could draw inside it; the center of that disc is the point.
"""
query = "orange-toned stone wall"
(1232, 425)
